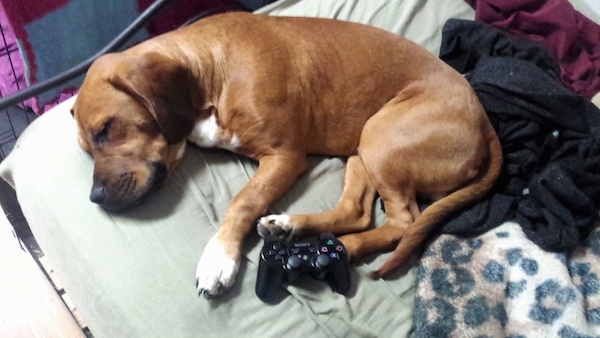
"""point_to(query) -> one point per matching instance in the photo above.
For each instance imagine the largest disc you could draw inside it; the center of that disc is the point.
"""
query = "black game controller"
(282, 261)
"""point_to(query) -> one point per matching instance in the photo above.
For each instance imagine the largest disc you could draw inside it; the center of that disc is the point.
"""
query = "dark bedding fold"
(550, 137)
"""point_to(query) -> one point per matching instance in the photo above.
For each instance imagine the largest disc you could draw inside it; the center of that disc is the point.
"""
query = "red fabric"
(571, 37)
(178, 12)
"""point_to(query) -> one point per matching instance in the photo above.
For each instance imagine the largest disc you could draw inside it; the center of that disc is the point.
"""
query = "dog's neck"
(208, 72)
(206, 68)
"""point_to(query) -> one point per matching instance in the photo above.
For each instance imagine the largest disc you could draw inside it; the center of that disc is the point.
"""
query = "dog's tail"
(439, 210)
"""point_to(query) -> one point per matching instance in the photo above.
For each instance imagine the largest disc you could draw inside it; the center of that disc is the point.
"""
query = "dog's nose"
(98, 194)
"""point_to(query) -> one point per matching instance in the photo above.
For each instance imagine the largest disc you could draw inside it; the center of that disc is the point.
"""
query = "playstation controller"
(282, 262)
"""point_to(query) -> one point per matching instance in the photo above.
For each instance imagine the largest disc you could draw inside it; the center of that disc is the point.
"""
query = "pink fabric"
(12, 70)
(22, 12)
(571, 37)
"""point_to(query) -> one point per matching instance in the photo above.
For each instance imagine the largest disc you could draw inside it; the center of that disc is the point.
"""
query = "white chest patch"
(207, 133)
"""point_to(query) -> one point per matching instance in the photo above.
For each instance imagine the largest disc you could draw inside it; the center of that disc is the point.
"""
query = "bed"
(131, 274)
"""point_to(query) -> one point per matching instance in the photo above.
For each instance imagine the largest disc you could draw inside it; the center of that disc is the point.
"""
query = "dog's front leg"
(220, 260)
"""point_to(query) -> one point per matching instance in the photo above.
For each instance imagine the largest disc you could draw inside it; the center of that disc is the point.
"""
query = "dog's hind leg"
(351, 214)
(388, 152)
(399, 214)
(441, 149)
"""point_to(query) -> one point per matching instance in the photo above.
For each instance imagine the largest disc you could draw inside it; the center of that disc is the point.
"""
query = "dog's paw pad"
(216, 271)
(278, 225)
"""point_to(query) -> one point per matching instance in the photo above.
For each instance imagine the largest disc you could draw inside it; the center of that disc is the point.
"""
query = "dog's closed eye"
(102, 135)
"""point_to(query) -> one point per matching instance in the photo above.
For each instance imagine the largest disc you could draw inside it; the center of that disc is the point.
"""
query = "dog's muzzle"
(123, 192)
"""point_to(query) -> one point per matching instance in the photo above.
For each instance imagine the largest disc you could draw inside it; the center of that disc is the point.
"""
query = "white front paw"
(216, 270)
(278, 225)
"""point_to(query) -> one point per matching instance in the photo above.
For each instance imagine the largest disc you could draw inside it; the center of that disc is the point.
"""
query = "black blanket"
(550, 138)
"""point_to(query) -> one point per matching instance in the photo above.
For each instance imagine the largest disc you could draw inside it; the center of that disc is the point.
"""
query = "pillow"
(416, 20)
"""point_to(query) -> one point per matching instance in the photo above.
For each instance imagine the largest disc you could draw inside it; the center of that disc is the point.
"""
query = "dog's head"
(133, 113)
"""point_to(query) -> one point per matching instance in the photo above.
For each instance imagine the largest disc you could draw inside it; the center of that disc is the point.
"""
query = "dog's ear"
(163, 87)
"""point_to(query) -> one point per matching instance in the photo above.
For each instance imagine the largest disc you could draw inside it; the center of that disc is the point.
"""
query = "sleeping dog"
(276, 89)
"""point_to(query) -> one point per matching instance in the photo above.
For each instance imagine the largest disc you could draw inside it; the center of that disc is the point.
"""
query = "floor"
(31, 306)
(41, 307)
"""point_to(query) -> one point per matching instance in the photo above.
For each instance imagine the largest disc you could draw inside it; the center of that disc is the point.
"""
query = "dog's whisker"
(131, 184)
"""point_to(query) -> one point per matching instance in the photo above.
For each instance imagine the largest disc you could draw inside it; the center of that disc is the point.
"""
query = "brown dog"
(276, 89)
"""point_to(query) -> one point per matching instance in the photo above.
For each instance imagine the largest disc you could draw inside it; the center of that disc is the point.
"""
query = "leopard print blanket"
(500, 284)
